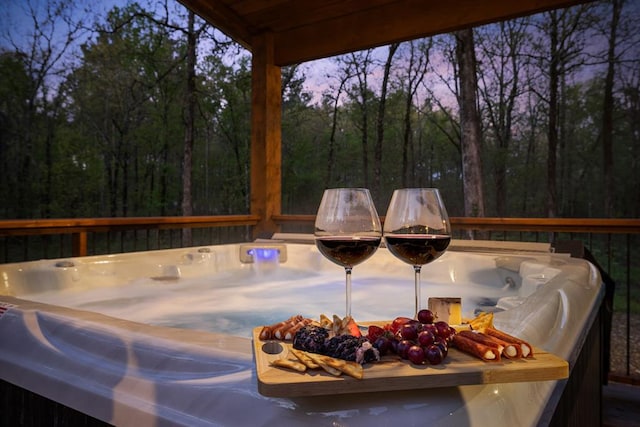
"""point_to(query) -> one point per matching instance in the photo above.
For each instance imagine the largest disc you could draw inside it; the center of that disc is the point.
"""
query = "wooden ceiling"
(305, 30)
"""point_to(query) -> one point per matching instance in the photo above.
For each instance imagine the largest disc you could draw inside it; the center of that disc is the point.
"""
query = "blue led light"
(264, 254)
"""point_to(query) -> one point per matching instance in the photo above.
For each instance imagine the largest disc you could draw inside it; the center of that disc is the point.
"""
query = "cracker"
(321, 361)
(303, 357)
(337, 324)
(325, 322)
(289, 364)
(353, 369)
(482, 321)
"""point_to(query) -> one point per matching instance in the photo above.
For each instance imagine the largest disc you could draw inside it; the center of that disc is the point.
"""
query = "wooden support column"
(266, 149)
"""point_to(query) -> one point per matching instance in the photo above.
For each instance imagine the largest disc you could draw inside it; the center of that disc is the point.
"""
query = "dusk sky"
(16, 25)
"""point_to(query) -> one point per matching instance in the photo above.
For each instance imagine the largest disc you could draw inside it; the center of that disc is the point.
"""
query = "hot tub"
(164, 337)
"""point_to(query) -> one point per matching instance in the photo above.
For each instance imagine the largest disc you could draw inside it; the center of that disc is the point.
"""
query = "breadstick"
(527, 349)
(475, 348)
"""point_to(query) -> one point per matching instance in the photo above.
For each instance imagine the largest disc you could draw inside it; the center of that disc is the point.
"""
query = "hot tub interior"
(233, 288)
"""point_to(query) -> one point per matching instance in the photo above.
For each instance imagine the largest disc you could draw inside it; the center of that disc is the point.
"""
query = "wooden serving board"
(392, 373)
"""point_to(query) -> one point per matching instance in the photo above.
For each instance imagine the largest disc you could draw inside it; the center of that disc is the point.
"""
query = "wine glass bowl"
(417, 229)
(347, 230)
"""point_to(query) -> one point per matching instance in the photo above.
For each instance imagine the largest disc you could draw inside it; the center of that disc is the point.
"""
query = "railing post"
(79, 245)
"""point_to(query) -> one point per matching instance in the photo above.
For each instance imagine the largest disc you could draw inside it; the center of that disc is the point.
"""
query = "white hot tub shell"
(164, 337)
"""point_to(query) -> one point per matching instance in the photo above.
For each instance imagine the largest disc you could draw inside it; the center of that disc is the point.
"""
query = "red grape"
(426, 338)
(425, 316)
(416, 340)
(403, 348)
(442, 329)
(416, 325)
(434, 355)
(443, 347)
(383, 344)
(430, 327)
(409, 332)
(415, 354)
(398, 322)
(393, 345)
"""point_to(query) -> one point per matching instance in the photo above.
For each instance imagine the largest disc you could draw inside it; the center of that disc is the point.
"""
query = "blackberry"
(343, 346)
(311, 338)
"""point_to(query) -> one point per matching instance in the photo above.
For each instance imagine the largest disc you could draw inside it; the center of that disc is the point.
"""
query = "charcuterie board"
(392, 373)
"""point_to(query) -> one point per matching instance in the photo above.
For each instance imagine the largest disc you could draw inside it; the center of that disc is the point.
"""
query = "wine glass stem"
(416, 269)
(347, 271)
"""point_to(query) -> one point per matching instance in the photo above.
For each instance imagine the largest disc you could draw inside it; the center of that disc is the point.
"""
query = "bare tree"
(448, 52)
(470, 125)
(192, 35)
(607, 110)
(377, 156)
(500, 89)
(361, 63)
(412, 78)
(552, 192)
(564, 54)
(344, 75)
(52, 33)
(189, 120)
(631, 103)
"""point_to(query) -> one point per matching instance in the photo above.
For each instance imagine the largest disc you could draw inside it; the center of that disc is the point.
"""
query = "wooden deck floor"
(621, 405)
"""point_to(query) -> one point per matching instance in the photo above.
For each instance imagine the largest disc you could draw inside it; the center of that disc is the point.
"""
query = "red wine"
(347, 251)
(417, 249)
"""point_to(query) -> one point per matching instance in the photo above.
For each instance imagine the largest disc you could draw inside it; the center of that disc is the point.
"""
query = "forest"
(142, 109)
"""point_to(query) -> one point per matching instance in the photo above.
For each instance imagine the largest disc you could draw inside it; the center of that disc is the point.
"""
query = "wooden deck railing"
(80, 227)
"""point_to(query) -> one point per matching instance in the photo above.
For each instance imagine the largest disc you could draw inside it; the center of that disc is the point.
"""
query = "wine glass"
(417, 229)
(347, 230)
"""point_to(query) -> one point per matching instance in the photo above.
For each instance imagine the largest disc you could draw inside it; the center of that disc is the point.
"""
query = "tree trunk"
(406, 141)
(189, 118)
(377, 156)
(408, 174)
(552, 135)
(360, 63)
(470, 125)
(500, 89)
(416, 69)
(332, 137)
(364, 88)
(607, 114)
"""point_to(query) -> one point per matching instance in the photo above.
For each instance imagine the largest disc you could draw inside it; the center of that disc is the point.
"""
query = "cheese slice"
(446, 309)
